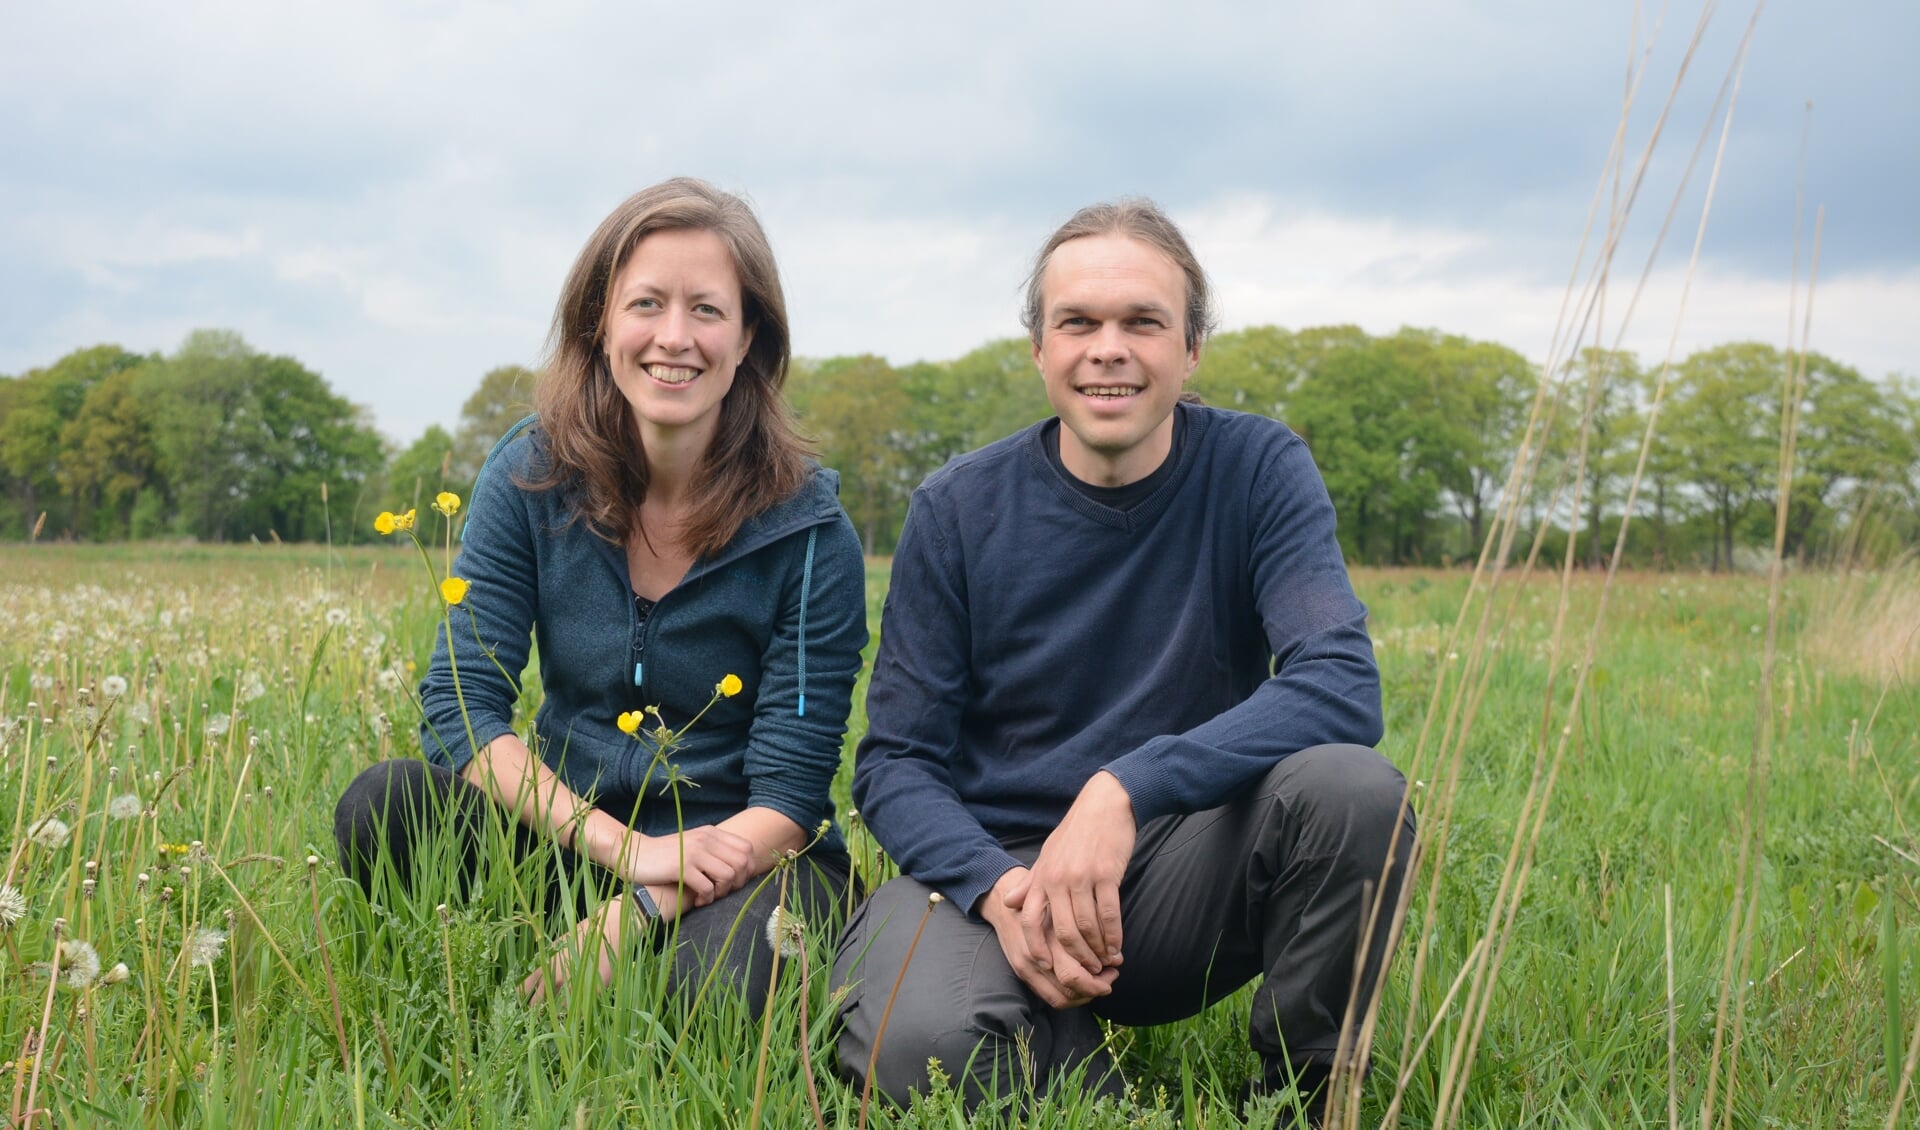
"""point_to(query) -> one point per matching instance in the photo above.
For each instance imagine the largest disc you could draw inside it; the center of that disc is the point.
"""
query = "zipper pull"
(636, 674)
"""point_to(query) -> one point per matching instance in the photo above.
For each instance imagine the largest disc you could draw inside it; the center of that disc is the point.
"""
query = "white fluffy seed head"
(786, 931)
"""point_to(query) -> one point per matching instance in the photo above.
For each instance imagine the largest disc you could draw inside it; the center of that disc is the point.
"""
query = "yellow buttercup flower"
(403, 521)
(629, 722)
(730, 686)
(385, 523)
(447, 502)
(453, 590)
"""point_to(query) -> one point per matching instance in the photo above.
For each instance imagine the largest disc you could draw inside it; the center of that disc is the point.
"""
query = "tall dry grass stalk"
(1460, 687)
(1866, 623)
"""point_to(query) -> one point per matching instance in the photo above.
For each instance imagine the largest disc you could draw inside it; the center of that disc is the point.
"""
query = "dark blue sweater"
(1032, 637)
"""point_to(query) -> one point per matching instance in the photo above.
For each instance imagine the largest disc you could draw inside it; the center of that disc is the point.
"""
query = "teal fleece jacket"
(783, 607)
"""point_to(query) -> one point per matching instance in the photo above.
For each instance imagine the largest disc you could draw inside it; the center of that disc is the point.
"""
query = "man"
(1120, 717)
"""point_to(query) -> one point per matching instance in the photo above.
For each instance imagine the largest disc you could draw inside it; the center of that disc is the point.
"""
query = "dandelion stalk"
(453, 1001)
(806, 1046)
(326, 964)
(873, 1060)
(38, 1040)
(766, 1019)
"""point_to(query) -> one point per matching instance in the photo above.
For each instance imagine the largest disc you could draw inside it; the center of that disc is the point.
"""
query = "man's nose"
(1109, 346)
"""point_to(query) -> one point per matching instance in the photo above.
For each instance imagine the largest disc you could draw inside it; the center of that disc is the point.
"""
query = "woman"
(658, 528)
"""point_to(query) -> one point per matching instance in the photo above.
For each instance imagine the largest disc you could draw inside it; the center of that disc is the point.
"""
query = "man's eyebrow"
(1069, 309)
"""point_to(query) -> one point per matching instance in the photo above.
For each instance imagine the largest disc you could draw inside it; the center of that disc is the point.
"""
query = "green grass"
(306, 656)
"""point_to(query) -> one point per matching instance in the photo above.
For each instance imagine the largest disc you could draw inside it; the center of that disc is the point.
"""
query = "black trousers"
(394, 812)
(1274, 884)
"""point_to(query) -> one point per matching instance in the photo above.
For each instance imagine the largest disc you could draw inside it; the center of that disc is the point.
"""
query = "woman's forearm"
(771, 832)
(507, 771)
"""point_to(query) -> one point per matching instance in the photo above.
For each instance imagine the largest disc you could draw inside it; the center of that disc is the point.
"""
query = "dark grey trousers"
(1275, 883)
(397, 810)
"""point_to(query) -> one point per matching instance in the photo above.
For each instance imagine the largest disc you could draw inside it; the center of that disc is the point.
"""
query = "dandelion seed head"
(786, 931)
(126, 806)
(113, 686)
(13, 907)
(336, 617)
(50, 832)
(79, 963)
(117, 974)
(203, 946)
(40, 682)
(140, 712)
(253, 688)
(218, 725)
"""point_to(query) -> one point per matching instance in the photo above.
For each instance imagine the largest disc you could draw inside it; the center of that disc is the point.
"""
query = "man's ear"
(1034, 342)
(1193, 362)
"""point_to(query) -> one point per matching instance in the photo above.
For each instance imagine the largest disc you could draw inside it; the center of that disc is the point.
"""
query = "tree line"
(1414, 432)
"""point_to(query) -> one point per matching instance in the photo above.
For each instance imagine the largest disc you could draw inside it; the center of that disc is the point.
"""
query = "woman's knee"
(380, 812)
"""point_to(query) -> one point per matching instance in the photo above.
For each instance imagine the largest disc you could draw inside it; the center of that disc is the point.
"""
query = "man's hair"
(756, 457)
(1135, 217)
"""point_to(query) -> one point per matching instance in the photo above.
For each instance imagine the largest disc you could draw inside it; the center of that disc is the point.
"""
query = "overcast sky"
(392, 192)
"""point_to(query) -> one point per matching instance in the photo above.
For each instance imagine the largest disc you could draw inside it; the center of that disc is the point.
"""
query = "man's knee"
(1352, 798)
(919, 995)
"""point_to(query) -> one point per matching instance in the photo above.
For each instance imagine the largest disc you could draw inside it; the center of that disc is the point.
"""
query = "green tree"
(39, 405)
(108, 457)
(1370, 415)
(857, 408)
(1722, 419)
(419, 473)
(1856, 441)
(505, 396)
(246, 440)
(1480, 394)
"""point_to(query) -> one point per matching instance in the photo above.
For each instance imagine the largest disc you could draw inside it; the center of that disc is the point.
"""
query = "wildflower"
(403, 521)
(384, 524)
(786, 931)
(729, 686)
(79, 963)
(336, 617)
(13, 907)
(629, 722)
(50, 832)
(113, 686)
(447, 502)
(203, 946)
(453, 590)
(117, 974)
(126, 806)
(218, 725)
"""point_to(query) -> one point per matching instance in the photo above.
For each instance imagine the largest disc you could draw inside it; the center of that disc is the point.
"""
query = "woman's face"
(675, 334)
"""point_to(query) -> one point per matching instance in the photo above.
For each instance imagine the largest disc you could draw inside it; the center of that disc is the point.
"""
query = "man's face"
(1113, 354)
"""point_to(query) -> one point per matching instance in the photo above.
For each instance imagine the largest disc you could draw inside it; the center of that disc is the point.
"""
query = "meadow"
(176, 722)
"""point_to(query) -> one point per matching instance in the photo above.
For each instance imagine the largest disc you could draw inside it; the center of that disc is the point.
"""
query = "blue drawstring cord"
(806, 585)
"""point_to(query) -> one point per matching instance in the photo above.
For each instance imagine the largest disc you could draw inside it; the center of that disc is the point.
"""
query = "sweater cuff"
(977, 877)
(1149, 786)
